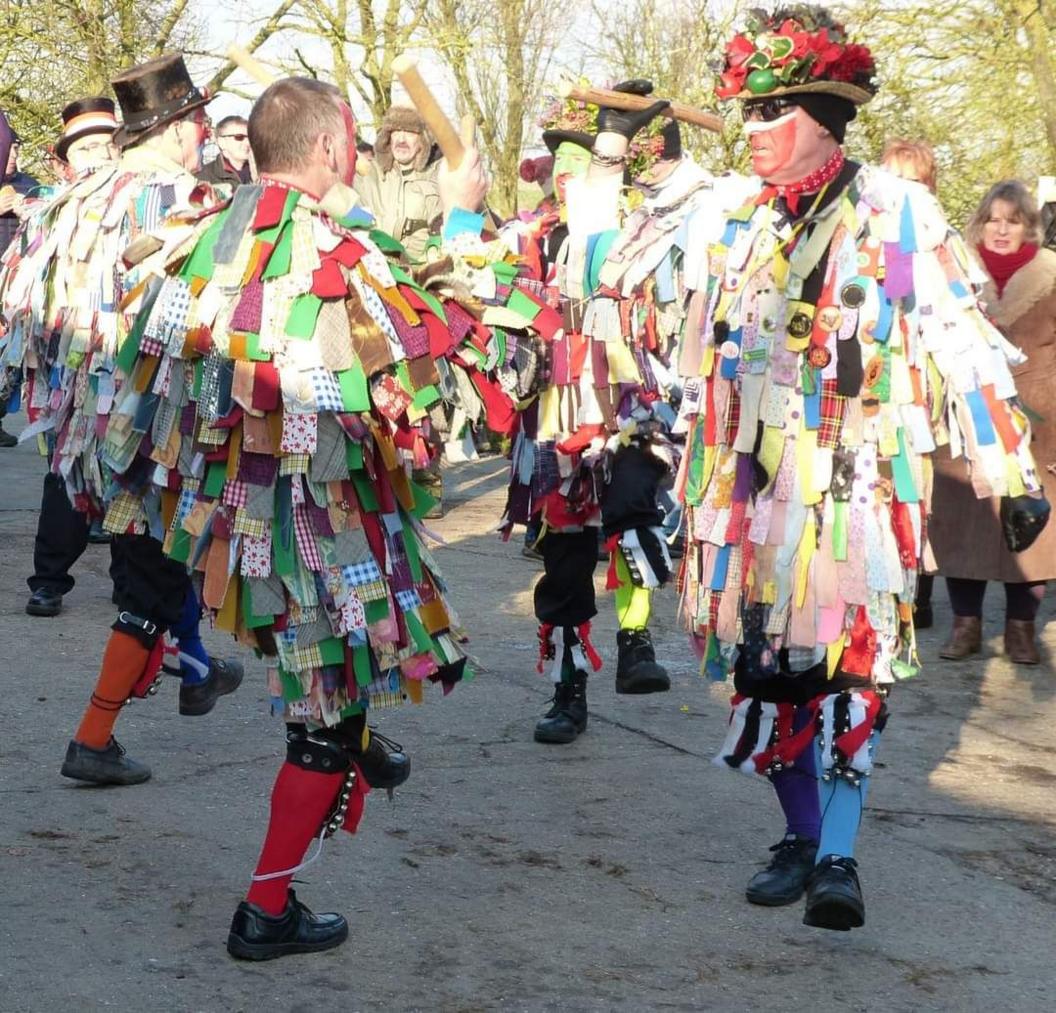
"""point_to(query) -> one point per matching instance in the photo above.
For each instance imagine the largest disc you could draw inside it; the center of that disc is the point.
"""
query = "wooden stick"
(621, 100)
(251, 65)
(406, 69)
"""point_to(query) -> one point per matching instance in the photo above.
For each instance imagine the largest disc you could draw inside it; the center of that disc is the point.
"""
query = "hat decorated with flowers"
(796, 50)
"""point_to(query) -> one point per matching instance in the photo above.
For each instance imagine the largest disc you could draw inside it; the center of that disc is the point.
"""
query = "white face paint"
(762, 126)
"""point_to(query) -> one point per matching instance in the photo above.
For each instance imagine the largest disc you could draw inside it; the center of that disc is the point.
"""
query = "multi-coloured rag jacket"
(70, 286)
(279, 379)
(606, 378)
(834, 353)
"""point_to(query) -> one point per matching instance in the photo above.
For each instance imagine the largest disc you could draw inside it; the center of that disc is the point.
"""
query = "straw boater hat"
(153, 94)
(83, 117)
(797, 51)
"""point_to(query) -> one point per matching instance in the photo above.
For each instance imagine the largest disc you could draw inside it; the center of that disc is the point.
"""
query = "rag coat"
(965, 532)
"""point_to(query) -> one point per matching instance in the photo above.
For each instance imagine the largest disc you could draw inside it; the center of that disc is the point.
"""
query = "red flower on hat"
(738, 49)
(855, 61)
(731, 82)
(826, 52)
(800, 40)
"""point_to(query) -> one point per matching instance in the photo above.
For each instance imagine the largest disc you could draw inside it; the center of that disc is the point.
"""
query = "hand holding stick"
(622, 100)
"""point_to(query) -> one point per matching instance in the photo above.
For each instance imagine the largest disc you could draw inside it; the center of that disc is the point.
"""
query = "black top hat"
(553, 139)
(83, 117)
(152, 94)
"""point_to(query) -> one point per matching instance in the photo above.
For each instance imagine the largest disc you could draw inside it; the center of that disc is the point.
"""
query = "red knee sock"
(300, 800)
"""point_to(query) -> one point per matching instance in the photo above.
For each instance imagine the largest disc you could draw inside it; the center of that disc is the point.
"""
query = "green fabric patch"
(425, 397)
(253, 348)
(597, 259)
(419, 634)
(355, 395)
(281, 255)
(384, 242)
(520, 304)
(215, 477)
(905, 487)
(354, 455)
(252, 621)
(361, 665)
(423, 501)
(303, 315)
(332, 650)
(271, 235)
(200, 262)
(505, 272)
(365, 493)
(181, 546)
(376, 610)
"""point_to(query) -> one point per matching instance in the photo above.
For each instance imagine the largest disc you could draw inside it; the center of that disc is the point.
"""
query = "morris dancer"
(842, 343)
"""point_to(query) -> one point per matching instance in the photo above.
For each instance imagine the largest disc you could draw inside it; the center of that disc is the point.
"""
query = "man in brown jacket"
(400, 188)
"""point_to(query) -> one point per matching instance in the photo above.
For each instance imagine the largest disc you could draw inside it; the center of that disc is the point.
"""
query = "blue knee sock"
(194, 659)
(841, 810)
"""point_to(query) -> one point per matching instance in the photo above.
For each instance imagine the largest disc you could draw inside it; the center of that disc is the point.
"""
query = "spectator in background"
(232, 165)
(965, 532)
(13, 189)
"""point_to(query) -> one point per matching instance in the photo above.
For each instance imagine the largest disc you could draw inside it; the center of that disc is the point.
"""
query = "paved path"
(607, 875)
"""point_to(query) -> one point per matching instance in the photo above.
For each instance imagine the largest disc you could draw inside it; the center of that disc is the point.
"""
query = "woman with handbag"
(1020, 297)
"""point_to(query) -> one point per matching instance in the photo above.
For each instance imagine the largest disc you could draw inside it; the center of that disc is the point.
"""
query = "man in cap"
(69, 296)
(841, 343)
(400, 188)
(86, 144)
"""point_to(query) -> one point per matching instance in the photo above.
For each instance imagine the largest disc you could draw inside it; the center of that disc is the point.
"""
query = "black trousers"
(564, 595)
(153, 588)
(62, 536)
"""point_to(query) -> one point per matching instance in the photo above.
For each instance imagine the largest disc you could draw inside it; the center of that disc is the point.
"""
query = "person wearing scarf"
(1020, 297)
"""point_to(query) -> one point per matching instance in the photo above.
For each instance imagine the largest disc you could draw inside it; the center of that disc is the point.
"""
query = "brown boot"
(965, 640)
(1020, 645)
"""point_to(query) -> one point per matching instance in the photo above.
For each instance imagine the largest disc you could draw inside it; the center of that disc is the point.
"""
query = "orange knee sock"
(123, 663)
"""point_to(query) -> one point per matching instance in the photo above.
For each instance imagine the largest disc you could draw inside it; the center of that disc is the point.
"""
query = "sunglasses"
(767, 109)
(235, 137)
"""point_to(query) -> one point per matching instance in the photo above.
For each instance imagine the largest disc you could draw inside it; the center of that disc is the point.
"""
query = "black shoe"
(784, 879)
(383, 763)
(923, 617)
(97, 536)
(834, 896)
(567, 717)
(103, 766)
(44, 602)
(200, 697)
(7, 440)
(257, 935)
(637, 670)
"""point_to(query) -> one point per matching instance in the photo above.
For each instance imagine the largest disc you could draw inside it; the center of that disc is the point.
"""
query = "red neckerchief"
(1001, 266)
(809, 184)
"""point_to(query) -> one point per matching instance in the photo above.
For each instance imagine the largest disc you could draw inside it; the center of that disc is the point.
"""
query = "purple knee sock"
(797, 787)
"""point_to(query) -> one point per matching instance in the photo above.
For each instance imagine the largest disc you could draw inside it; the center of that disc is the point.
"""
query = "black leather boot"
(109, 765)
(44, 602)
(636, 669)
(834, 895)
(784, 879)
(257, 935)
(567, 717)
(383, 763)
(200, 698)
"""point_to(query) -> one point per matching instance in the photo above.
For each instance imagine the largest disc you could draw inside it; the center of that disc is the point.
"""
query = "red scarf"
(1001, 266)
(808, 184)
